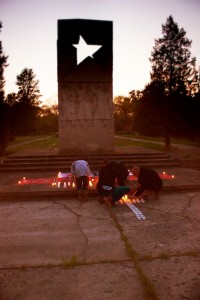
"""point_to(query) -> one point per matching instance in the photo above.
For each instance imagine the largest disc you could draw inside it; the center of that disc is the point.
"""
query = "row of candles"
(64, 179)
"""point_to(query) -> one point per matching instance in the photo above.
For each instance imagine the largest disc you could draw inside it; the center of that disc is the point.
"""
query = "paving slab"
(65, 249)
(175, 278)
(38, 233)
(169, 228)
(92, 282)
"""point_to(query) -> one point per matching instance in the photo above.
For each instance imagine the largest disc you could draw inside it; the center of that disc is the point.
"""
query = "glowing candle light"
(125, 198)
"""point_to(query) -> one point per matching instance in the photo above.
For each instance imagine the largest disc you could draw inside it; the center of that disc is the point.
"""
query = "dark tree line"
(170, 104)
(21, 113)
(4, 108)
(28, 117)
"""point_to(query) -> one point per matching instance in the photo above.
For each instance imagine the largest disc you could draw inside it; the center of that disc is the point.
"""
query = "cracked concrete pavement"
(61, 248)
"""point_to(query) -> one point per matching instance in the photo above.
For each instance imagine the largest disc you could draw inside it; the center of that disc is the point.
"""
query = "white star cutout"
(84, 50)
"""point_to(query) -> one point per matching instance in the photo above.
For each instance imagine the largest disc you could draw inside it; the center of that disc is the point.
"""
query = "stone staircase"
(62, 162)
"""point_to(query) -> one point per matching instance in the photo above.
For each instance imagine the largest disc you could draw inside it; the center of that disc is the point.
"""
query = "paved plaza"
(56, 247)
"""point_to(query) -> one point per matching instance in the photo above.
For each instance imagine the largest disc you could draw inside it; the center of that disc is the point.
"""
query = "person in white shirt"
(80, 172)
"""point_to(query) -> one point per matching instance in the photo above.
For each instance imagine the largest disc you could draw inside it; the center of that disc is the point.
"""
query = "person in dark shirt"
(148, 181)
(121, 170)
(107, 186)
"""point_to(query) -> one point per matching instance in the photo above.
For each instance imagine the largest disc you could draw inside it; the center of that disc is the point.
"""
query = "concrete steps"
(62, 162)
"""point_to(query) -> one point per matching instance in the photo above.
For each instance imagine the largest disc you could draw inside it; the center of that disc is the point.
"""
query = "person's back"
(148, 180)
(80, 168)
(121, 172)
(106, 178)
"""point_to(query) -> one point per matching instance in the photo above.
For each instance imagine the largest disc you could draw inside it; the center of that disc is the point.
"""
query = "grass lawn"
(50, 142)
(160, 139)
(32, 142)
(150, 145)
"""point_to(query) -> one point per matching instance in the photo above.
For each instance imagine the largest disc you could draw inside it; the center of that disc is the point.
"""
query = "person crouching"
(108, 187)
(148, 181)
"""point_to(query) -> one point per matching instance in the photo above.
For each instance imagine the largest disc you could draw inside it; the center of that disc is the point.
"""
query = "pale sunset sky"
(29, 37)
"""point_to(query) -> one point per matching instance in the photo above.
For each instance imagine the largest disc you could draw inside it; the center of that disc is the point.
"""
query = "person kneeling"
(107, 186)
(148, 181)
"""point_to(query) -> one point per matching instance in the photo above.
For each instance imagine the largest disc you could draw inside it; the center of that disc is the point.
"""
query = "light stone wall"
(86, 117)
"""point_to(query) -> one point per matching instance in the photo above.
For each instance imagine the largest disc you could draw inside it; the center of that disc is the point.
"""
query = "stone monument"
(85, 97)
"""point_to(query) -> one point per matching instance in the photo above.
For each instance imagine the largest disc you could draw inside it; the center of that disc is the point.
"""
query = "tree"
(4, 108)
(123, 113)
(3, 65)
(148, 110)
(28, 87)
(47, 119)
(173, 66)
(11, 99)
(26, 105)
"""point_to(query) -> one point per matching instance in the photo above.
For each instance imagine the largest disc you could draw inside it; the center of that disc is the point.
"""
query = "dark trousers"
(82, 183)
(118, 192)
